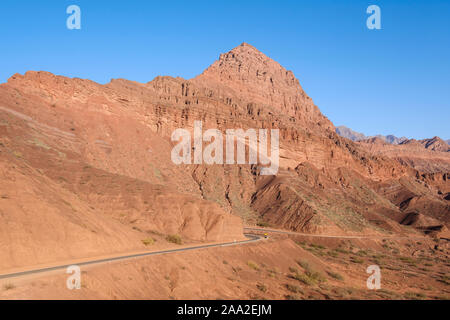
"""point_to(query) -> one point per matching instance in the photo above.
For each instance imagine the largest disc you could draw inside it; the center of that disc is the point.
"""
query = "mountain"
(348, 133)
(86, 168)
(434, 144)
(392, 139)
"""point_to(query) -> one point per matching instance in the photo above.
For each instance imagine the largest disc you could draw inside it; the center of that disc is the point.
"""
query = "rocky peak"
(256, 78)
(246, 64)
(436, 144)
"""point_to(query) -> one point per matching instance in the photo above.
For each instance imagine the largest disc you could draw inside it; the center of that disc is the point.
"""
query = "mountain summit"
(255, 77)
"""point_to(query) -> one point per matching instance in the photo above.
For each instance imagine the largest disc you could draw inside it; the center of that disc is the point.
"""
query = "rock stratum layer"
(86, 168)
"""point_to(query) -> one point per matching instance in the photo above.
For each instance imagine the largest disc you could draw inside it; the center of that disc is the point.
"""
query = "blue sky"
(395, 80)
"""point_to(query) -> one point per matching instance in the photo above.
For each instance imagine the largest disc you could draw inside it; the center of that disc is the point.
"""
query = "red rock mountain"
(86, 168)
(428, 155)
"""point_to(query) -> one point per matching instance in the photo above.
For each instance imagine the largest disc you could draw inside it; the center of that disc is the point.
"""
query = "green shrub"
(415, 296)
(292, 269)
(408, 260)
(316, 246)
(148, 241)
(17, 154)
(301, 243)
(362, 253)
(335, 275)
(293, 288)
(263, 224)
(174, 238)
(445, 279)
(253, 265)
(310, 277)
(303, 278)
(340, 250)
(316, 276)
(333, 253)
(303, 264)
(356, 260)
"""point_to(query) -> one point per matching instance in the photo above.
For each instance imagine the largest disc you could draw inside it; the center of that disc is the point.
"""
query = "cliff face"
(428, 155)
(104, 150)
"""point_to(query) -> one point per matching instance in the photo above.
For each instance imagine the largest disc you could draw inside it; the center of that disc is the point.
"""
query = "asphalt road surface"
(251, 238)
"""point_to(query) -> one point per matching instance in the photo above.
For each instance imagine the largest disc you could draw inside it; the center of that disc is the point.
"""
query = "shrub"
(300, 243)
(415, 296)
(408, 260)
(148, 241)
(263, 224)
(444, 279)
(261, 287)
(316, 276)
(356, 260)
(17, 154)
(335, 275)
(293, 288)
(333, 254)
(388, 293)
(303, 264)
(316, 246)
(303, 278)
(340, 250)
(362, 253)
(309, 277)
(174, 238)
(253, 265)
(8, 286)
(236, 269)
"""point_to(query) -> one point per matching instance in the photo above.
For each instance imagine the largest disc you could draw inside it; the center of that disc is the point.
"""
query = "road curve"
(251, 238)
(333, 236)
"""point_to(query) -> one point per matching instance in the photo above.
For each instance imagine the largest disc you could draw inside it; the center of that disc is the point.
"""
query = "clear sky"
(395, 80)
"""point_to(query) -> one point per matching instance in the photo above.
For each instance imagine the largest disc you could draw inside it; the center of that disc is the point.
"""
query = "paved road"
(333, 236)
(251, 238)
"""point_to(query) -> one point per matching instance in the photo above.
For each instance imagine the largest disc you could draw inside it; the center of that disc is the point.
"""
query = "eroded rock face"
(428, 155)
(104, 150)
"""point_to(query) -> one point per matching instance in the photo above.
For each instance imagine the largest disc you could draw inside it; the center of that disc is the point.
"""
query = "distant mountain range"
(348, 133)
(435, 143)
